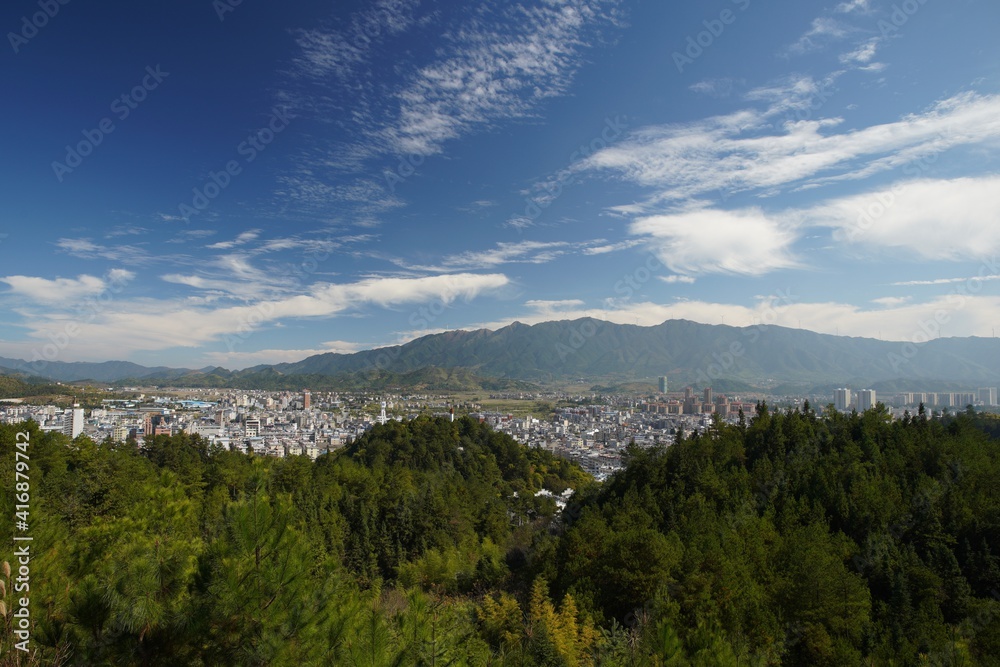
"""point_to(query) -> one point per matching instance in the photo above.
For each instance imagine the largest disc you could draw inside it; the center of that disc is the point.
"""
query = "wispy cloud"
(721, 87)
(87, 249)
(122, 326)
(125, 230)
(863, 54)
(189, 235)
(522, 252)
(492, 64)
(821, 32)
(743, 151)
(862, 57)
(495, 73)
(947, 281)
(345, 51)
(498, 63)
(605, 248)
(241, 239)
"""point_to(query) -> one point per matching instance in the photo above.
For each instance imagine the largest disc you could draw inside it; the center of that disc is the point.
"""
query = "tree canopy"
(790, 538)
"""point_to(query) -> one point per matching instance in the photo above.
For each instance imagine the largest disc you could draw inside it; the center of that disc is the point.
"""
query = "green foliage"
(790, 539)
(797, 539)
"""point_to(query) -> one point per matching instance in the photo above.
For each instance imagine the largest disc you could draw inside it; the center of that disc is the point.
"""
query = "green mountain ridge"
(687, 352)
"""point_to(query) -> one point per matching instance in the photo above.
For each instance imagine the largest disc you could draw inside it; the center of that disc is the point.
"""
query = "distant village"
(594, 430)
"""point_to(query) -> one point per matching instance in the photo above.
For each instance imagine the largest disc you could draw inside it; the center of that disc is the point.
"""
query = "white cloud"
(676, 278)
(712, 241)
(64, 291)
(59, 290)
(120, 326)
(954, 219)
(741, 151)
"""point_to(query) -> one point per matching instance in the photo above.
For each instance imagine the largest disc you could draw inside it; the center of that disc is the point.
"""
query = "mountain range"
(686, 352)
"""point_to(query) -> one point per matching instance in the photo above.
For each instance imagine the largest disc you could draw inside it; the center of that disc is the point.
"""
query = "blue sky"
(221, 183)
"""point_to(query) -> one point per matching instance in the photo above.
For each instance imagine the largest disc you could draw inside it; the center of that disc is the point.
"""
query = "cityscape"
(593, 432)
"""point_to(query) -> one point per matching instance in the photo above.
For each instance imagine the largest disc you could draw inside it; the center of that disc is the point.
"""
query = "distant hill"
(613, 354)
(18, 385)
(105, 371)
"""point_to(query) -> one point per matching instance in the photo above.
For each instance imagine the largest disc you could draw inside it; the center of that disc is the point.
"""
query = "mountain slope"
(685, 350)
(105, 371)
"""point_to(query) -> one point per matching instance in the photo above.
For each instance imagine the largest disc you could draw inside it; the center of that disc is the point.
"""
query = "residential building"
(866, 399)
(842, 399)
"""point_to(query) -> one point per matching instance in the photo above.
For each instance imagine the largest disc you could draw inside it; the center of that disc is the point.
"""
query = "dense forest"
(790, 538)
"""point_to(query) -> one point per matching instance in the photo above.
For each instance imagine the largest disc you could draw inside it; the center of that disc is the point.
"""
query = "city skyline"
(232, 184)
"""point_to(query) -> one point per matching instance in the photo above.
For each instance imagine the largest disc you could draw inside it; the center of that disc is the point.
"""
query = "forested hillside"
(792, 539)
